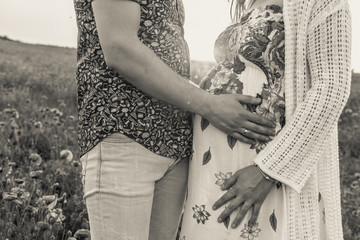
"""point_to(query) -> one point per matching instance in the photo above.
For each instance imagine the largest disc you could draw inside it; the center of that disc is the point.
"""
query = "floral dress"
(250, 60)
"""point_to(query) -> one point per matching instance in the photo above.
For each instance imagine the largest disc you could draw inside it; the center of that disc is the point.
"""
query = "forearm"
(144, 69)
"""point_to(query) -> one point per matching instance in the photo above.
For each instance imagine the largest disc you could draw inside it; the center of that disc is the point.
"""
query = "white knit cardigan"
(304, 155)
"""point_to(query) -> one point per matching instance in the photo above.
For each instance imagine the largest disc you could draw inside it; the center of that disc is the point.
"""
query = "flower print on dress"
(200, 214)
(222, 177)
(250, 233)
(272, 108)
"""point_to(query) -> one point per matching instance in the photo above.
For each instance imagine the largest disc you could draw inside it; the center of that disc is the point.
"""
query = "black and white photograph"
(179, 120)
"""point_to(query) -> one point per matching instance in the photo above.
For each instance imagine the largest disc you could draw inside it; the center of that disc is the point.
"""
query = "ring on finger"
(245, 132)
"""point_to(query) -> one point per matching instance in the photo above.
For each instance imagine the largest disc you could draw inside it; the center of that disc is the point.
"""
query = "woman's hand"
(227, 114)
(247, 188)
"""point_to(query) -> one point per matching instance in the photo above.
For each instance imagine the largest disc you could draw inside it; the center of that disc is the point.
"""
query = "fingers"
(242, 138)
(247, 99)
(224, 199)
(259, 129)
(241, 214)
(261, 121)
(234, 205)
(254, 216)
(254, 135)
(229, 182)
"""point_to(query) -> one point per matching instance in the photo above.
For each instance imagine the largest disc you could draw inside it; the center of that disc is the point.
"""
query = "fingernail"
(233, 226)
(214, 207)
(220, 220)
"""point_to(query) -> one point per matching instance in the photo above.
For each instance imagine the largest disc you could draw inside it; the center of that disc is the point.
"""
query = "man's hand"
(227, 114)
(247, 189)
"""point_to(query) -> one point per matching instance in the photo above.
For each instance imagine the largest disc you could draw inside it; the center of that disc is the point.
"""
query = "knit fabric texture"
(304, 155)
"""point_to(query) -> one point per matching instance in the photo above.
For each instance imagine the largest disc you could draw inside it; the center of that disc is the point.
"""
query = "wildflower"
(56, 119)
(13, 124)
(35, 159)
(16, 190)
(15, 114)
(250, 232)
(56, 187)
(10, 196)
(200, 214)
(67, 155)
(355, 185)
(72, 118)
(348, 110)
(82, 234)
(19, 181)
(11, 164)
(38, 125)
(356, 213)
(55, 216)
(221, 178)
(76, 163)
(36, 174)
(357, 175)
(8, 110)
(44, 97)
(58, 113)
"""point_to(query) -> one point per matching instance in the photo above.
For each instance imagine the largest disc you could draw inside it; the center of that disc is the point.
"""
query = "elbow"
(116, 52)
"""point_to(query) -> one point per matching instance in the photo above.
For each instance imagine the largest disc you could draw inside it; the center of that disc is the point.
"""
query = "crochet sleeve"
(292, 156)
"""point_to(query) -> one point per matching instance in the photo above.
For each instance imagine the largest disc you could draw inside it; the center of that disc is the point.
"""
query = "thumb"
(247, 99)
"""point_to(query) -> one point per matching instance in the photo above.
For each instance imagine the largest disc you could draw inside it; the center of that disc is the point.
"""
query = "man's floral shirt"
(107, 103)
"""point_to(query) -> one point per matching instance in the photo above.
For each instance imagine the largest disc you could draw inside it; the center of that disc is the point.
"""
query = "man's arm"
(118, 23)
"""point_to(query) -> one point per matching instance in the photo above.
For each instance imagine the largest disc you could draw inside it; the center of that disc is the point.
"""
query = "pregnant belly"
(247, 79)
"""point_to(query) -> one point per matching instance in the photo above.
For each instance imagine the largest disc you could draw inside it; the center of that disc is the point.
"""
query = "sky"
(52, 22)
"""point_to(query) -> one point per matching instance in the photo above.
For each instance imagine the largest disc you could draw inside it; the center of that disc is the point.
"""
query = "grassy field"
(40, 187)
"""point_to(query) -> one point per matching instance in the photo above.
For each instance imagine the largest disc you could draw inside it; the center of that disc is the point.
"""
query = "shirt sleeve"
(292, 156)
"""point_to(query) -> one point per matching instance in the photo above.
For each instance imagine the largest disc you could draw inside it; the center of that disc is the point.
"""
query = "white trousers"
(132, 193)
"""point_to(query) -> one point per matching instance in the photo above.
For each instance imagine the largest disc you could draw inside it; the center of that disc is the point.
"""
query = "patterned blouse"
(107, 103)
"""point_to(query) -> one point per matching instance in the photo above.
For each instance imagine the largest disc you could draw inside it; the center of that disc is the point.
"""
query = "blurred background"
(40, 172)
